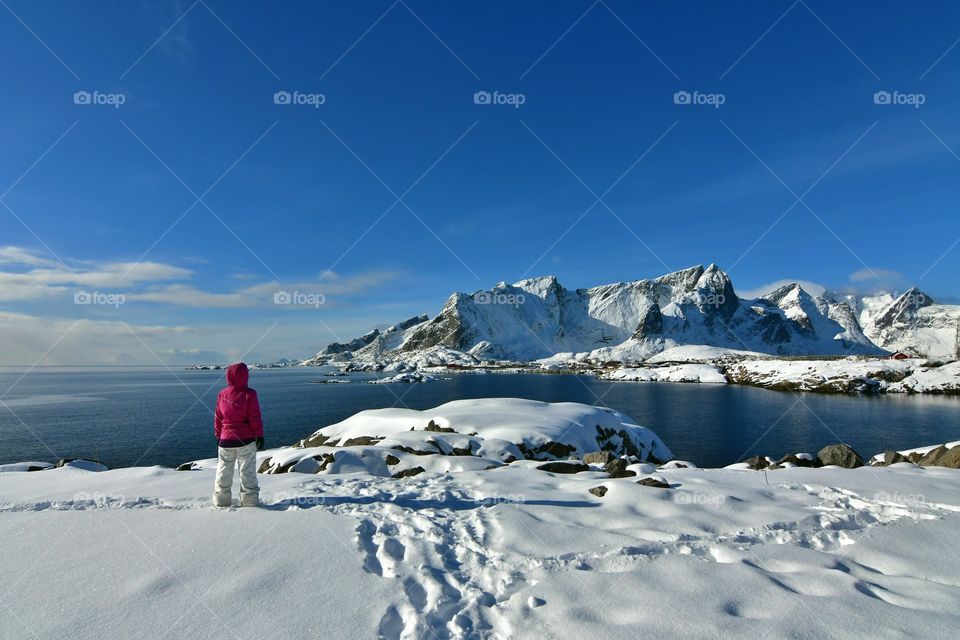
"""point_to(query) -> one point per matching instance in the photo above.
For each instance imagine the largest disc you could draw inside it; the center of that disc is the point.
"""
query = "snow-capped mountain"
(911, 322)
(631, 321)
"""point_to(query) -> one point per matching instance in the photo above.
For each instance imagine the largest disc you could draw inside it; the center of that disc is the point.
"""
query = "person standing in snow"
(239, 430)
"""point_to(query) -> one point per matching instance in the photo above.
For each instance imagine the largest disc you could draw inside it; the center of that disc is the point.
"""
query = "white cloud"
(185, 295)
(864, 275)
(19, 255)
(30, 276)
(870, 281)
(30, 339)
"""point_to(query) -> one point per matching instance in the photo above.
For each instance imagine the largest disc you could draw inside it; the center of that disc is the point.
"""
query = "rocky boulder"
(653, 482)
(797, 460)
(617, 468)
(563, 467)
(599, 457)
(840, 455)
(893, 457)
(942, 457)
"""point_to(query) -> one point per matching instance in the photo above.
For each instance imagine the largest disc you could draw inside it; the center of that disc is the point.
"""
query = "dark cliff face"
(903, 310)
(651, 324)
(353, 345)
(444, 330)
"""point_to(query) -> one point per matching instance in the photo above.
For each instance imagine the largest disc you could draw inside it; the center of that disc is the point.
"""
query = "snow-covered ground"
(507, 553)
(405, 378)
(849, 375)
(703, 354)
(673, 373)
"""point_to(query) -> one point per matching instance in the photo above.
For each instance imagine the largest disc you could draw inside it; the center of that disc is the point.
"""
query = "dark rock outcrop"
(407, 473)
(795, 460)
(757, 462)
(617, 468)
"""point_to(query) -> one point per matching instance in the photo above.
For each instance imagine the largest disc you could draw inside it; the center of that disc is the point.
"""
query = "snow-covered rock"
(943, 379)
(498, 429)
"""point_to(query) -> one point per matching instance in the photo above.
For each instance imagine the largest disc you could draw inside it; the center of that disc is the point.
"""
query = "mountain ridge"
(538, 318)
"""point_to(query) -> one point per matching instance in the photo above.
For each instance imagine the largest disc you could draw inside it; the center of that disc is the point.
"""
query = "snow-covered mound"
(498, 430)
(672, 373)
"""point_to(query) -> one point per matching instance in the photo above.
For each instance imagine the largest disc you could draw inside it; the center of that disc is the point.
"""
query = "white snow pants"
(227, 460)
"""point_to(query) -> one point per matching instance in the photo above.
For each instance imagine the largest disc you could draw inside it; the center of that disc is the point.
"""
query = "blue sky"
(198, 197)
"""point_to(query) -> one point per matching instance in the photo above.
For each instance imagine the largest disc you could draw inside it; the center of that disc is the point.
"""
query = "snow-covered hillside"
(538, 318)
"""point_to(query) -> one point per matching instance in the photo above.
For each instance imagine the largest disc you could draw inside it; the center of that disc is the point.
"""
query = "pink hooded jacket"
(237, 421)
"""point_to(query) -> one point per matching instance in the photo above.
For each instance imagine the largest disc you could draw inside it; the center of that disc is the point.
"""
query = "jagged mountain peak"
(631, 321)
